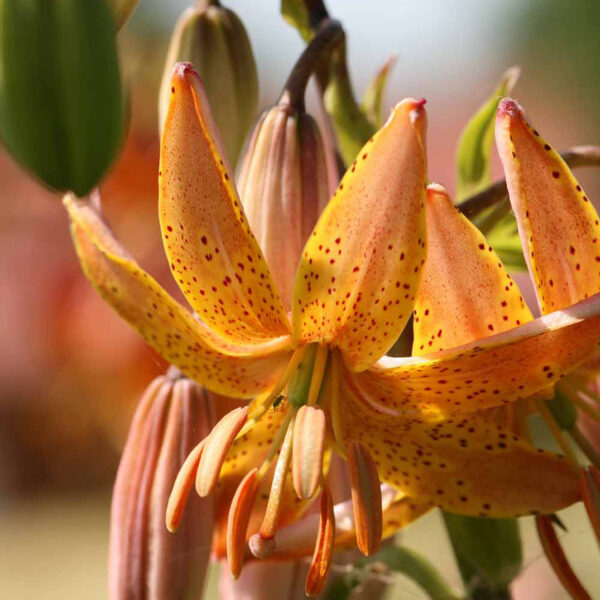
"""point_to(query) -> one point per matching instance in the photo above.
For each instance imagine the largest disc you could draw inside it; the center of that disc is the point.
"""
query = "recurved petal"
(360, 269)
(487, 373)
(559, 227)
(238, 371)
(465, 294)
(213, 255)
(464, 464)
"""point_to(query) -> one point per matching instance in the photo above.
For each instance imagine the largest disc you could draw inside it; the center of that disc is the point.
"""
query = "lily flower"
(412, 423)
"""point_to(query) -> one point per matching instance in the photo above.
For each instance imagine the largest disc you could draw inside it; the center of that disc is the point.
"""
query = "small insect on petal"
(590, 480)
(366, 498)
(182, 486)
(237, 521)
(321, 560)
(215, 450)
(309, 444)
(558, 560)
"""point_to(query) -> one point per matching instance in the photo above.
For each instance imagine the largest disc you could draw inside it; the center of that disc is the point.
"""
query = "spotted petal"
(167, 326)
(213, 255)
(487, 373)
(360, 269)
(464, 464)
(559, 227)
(466, 294)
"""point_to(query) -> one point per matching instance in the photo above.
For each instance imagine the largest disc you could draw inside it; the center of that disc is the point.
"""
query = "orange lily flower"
(410, 422)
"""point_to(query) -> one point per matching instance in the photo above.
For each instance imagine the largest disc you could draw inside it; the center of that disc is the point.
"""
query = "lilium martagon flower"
(413, 422)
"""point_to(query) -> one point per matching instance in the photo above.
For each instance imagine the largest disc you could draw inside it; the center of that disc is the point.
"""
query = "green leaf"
(411, 564)
(372, 104)
(488, 551)
(474, 146)
(61, 107)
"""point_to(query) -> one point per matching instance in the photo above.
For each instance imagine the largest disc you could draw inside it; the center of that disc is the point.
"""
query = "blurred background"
(71, 371)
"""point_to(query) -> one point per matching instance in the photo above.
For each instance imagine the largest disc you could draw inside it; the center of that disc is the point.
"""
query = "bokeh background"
(71, 371)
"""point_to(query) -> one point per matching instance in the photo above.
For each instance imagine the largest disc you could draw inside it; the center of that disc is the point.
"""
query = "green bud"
(214, 40)
(61, 114)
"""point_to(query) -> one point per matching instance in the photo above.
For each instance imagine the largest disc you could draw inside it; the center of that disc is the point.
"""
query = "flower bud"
(145, 560)
(284, 184)
(214, 40)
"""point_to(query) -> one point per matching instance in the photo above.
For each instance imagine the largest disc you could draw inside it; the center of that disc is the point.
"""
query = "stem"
(578, 156)
(295, 86)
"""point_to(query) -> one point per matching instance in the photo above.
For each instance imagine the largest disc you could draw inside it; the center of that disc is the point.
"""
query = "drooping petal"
(464, 464)
(213, 255)
(483, 374)
(559, 227)
(465, 294)
(361, 267)
(238, 371)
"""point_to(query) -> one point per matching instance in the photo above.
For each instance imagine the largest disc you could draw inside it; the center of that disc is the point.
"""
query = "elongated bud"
(238, 519)
(321, 560)
(310, 429)
(145, 560)
(216, 448)
(284, 185)
(214, 40)
(366, 499)
(122, 10)
(558, 560)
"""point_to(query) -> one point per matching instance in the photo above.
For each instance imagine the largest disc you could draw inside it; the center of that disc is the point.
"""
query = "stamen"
(317, 374)
(582, 405)
(310, 430)
(336, 424)
(238, 519)
(216, 449)
(276, 443)
(557, 433)
(584, 445)
(321, 560)
(366, 498)
(262, 544)
(558, 560)
(182, 487)
(590, 485)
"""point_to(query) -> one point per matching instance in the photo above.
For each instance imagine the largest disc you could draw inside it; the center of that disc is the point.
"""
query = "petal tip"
(507, 107)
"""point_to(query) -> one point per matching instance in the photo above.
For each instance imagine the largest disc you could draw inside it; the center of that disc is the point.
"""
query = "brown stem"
(578, 156)
(295, 86)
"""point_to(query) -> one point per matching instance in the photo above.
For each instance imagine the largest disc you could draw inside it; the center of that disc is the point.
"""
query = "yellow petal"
(168, 327)
(213, 255)
(465, 294)
(559, 227)
(464, 464)
(487, 373)
(361, 267)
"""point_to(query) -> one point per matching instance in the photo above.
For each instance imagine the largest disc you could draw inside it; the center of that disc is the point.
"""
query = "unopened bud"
(215, 41)
(284, 184)
(145, 560)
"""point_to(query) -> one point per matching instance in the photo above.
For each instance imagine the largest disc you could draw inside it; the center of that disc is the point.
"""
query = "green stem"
(295, 87)
(578, 156)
